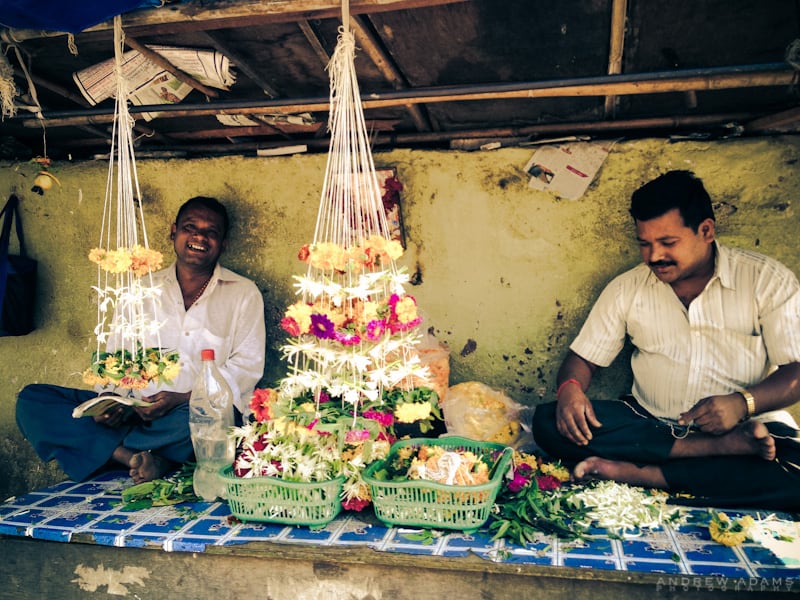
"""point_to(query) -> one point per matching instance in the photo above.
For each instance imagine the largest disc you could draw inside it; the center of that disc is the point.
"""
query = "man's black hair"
(211, 204)
(674, 189)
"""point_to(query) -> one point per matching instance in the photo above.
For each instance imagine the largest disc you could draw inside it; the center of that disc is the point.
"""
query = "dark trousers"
(630, 434)
(83, 447)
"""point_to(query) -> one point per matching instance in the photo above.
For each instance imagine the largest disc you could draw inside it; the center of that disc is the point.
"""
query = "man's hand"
(575, 415)
(114, 416)
(160, 404)
(716, 414)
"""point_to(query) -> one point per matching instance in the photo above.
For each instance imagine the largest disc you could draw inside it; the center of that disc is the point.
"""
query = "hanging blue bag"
(17, 277)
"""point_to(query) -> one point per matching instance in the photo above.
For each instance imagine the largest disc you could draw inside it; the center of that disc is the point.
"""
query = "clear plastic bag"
(476, 411)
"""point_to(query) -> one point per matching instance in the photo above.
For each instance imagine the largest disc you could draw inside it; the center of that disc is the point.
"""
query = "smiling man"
(202, 305)
(716, 358)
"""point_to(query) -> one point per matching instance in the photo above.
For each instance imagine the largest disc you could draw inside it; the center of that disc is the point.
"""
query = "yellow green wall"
(507, 274)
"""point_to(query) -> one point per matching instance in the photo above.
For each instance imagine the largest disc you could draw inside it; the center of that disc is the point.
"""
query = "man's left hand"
(160, 404)
(715, 414)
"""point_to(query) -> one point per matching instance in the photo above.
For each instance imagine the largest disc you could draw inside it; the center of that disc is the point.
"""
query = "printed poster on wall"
(566, 170)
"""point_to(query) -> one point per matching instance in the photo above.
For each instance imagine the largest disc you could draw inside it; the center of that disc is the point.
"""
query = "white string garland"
(127, 297)
(351, 217)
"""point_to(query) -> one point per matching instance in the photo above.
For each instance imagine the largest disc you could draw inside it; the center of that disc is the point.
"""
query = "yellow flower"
(410, 412)
(301, 313)
(150, 370)
(406, 310)
(139, 260)
(556, 470)
(91, 378)
(170, 372)
(370, 311)
(729, 532)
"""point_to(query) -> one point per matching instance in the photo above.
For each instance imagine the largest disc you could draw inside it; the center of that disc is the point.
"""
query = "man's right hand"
(114, 416)
(575, 415)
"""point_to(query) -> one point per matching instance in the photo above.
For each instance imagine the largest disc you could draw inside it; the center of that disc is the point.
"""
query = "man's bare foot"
(748, 439)
(760, 439)
(595, 467)
(146, 466)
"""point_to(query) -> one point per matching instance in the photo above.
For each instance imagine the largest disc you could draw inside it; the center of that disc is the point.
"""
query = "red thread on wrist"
(563, 385)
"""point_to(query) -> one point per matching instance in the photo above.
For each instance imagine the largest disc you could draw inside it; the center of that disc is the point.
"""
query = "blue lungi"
(83, 447)
(630, 434)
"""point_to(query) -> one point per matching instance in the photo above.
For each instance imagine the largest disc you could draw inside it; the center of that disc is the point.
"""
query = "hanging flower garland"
(126, 295)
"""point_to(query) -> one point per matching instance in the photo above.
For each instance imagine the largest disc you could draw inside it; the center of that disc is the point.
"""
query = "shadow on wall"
(21, 470)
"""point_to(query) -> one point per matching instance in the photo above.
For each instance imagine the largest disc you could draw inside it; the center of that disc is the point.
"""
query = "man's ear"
(172, 230)
(707, 229)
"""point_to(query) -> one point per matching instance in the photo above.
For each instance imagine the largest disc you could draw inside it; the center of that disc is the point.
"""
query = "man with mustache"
(716, 359)
(202, 305)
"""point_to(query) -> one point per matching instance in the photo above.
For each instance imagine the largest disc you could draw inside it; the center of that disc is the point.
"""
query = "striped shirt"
(745, 323)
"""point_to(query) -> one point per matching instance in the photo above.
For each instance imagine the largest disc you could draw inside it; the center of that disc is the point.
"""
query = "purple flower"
(322, 327)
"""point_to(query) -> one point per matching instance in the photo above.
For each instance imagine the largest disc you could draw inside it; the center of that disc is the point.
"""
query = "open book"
(101, 403)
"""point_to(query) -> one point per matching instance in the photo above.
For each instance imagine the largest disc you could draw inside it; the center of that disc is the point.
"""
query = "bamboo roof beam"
(241, 63)
(619, 11)
(775, 74)
(372, 48)
(527, 132)
(787, 120)
(81, 101)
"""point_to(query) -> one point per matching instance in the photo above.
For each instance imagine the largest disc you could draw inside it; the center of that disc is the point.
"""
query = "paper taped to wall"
(567, 169)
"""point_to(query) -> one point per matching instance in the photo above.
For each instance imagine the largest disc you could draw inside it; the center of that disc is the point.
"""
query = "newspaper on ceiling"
(151, 84)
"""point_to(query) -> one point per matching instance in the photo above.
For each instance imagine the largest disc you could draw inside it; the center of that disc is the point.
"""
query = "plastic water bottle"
(210, 418)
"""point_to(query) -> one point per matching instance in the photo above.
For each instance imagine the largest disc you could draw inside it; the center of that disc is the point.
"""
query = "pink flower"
(521, 478)
(354, 436)
(385, 419)
(346, 338)
(357, 504)
(518, 482)
(375, 330)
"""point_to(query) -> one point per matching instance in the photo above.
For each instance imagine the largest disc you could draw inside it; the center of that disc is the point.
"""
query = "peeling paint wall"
(505, 274)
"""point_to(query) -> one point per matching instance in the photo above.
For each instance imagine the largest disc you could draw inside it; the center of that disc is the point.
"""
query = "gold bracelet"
(750, 403)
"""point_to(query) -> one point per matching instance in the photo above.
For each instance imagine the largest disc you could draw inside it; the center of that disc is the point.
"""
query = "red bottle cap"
(207, 354)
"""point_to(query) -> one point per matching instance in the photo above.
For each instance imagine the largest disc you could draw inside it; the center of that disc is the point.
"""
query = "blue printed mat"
(93, 512)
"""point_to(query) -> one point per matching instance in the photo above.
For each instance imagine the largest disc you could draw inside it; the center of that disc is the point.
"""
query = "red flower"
(261, 403)
(304, 253)
(548, 482)
(290, 326)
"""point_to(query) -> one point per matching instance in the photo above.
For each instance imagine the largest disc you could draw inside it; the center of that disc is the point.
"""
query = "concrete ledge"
(44, 569)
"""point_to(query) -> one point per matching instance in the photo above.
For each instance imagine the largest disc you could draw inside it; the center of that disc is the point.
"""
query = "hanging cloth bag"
(17, 277)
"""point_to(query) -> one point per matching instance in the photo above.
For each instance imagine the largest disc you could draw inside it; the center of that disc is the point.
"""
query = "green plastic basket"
(274, 500)
(428, 504)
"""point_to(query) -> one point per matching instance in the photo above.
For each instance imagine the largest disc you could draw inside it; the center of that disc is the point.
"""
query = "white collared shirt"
(744, 324)
(228, 318)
